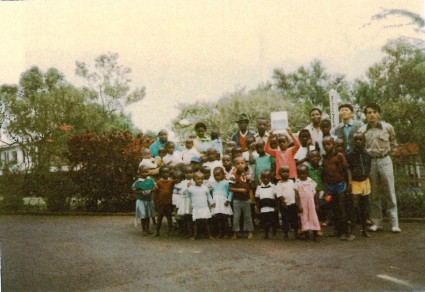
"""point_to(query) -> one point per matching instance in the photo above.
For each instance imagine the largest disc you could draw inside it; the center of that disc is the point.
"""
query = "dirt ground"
(108, 253)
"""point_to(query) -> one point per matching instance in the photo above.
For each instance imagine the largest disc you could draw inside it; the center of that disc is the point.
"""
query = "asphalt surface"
(108, 253)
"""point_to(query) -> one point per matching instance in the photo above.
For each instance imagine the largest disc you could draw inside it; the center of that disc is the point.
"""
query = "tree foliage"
(42, 111)
(311, 84)
(104, 167)
(397, 83)
(109, 82)
(222, 114)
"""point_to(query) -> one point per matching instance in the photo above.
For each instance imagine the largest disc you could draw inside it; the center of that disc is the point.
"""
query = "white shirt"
(287, 191)
(174, 158)
(212, 165)
(148, 162)
(266, 192)
(188, 154)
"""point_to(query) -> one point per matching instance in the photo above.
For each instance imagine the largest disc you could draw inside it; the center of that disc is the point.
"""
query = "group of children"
(286, 178)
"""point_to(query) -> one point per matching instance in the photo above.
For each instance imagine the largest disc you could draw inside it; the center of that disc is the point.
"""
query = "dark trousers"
(359, 210)
(267, 221)
(290, 218)
(338, 204)
(167, 211)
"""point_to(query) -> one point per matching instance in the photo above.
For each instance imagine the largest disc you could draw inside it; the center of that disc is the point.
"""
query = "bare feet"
(234, 237)
(251, 235)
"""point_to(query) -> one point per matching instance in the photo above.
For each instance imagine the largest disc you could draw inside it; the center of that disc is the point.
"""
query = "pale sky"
(184, 51)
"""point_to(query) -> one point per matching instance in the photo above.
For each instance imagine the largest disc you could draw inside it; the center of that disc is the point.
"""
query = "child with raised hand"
(200, 197)
(306, 147)
(306, 188)
(241, 185)
(285, 154)
(250, 153)
(290, 201)
(163, 199)
(335, 175)
(172, 157)
(145, 207)
(360, 163)
(222, 198)
(265, 196)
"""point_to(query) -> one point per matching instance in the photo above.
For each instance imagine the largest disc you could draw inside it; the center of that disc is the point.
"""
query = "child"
(161, 154)
(227, 165)
(236, 152)
(315, 171)
(340, 145)
(306, 188)
(145, 207)
(285, 154)
(200, 197)
(189, 152)
(163, 199)
(250, 153)
(290, 200)
(336, 171)
(212, 161)
(172, 157)
(149, 162)
(195, 163)
(185, 207)
(222, 198)
(306, 146)
(241, 185)
(216, 142)
(360, 162)
(262, 162)
(178, 177)
(265, 196)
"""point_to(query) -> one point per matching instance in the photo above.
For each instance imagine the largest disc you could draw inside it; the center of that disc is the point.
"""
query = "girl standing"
(222, 198)
(200, 197)
(306, 188)
(145, 207)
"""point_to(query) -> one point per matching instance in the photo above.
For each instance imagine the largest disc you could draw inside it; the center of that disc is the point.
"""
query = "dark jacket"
(359, 163)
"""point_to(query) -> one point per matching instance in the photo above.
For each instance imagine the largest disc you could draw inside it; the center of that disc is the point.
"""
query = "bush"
(104, 169)
(11, 187)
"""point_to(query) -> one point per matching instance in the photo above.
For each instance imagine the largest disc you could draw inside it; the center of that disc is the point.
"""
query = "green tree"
(109, 83)
(311, 84)
(223, 113)
(42, 111)
(397, 83)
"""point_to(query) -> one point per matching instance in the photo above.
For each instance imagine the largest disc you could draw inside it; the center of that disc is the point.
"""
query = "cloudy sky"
(184, 51)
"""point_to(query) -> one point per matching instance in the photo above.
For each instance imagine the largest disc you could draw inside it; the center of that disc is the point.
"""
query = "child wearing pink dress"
(306, 188)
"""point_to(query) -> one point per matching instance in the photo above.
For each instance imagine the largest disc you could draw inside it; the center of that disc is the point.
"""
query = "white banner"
(334, 99)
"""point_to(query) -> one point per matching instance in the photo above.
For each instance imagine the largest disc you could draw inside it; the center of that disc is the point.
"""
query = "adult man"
(348, 127)
(162, 139)
(240, 136)
(380, 143)
(314, 128)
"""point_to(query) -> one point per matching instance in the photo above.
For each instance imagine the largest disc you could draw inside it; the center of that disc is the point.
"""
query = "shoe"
(351, 237)
(395, 229)
(374, 228)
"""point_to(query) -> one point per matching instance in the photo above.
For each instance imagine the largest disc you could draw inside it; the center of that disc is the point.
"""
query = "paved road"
(108, 253)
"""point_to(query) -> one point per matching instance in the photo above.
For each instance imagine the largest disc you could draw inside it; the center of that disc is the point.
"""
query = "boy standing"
(360, 162)
(241, 184)
(336, 171)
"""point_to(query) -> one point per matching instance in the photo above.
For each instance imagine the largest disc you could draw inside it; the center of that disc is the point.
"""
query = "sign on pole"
(334, 99)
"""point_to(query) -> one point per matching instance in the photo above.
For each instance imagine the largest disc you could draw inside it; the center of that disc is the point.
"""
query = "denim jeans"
(242, 207)
(382, 182)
